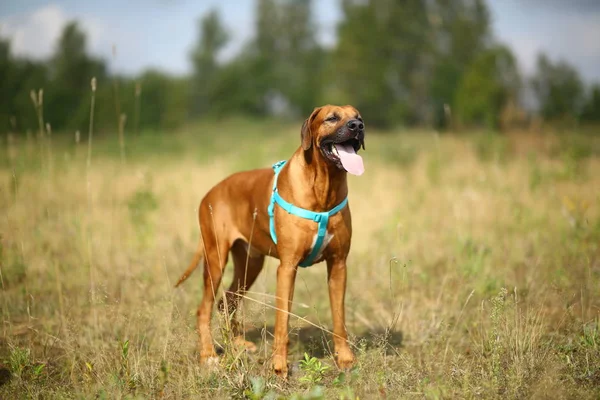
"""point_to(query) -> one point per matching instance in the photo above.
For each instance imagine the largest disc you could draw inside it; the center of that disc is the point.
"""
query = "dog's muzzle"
(341, 147)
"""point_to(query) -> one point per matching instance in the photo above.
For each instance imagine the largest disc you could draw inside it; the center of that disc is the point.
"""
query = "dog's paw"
(209, 358)
(280, 367)
(345, 359)
(210, 363)
(244, 344)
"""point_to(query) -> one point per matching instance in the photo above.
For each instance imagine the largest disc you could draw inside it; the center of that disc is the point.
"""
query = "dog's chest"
(324, 244)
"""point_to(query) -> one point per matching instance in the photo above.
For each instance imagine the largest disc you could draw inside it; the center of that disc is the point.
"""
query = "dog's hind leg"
(247, 269)
(214, 264)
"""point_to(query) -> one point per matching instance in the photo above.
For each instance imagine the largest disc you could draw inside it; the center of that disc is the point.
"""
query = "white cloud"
(34, 34)
(571, 36)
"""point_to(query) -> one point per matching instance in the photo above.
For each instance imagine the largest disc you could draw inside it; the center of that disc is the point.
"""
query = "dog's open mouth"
(344, 155)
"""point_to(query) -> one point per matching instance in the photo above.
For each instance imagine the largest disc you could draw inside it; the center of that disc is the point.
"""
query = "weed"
(19, 360)
(314, 370)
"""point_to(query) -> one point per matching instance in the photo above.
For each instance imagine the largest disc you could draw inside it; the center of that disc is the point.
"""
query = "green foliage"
(19, 360)
(257, 389)
(460, 30)
(582, 354)
(17, 78)
(383, 78)
(72, 69)
(591, 108)
(487, 85)
(213, 37)
(314, 370)
(558, 89)
(432, 63)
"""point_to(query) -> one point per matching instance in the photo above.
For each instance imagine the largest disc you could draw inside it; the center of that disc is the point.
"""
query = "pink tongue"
(351, 161)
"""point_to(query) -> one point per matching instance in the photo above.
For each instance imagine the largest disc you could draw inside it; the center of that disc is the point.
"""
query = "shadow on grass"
(319, 343)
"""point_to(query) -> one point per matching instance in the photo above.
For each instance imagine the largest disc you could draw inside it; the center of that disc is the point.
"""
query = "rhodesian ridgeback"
(296, 212)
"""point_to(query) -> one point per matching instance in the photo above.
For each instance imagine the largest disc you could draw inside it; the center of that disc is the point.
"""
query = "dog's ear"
(306, 132)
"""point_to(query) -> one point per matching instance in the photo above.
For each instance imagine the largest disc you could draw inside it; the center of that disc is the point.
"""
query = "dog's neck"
(312, 182)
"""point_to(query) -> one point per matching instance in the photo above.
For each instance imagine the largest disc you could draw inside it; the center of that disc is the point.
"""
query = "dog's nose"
(355, 125)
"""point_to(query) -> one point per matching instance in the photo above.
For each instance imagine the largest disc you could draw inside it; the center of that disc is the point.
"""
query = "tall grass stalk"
(49, 147)
(89, 203)
(11, 153)
(89, 154)
(254, 215)
(38, 104)
(136, 116)
(119, 115)
(4, 297)
(170, 317)
(61, 307)
(122, 121)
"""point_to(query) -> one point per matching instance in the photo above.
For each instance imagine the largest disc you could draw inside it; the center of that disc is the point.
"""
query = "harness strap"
(321, 218)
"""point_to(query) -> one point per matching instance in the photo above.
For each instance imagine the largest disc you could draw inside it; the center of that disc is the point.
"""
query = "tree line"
(412, 62)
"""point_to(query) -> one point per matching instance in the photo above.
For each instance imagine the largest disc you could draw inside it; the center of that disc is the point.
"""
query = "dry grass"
(474, 271)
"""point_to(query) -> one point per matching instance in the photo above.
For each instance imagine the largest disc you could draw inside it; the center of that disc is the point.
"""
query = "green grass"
(474, 270)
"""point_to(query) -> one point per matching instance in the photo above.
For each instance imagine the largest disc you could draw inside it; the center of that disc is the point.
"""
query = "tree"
(71, 70)
(558, 89)
(461, 31)
(381, 57)
(591, 108)
(279, 71)
(17, 78)
(490, 82)
(212, 38)
(300, 59)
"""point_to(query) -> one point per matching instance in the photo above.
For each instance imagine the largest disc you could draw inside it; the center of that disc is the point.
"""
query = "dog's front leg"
(286, 276)
(336, 276)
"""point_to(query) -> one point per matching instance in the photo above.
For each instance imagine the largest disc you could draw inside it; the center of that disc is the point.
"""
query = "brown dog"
(233, 217)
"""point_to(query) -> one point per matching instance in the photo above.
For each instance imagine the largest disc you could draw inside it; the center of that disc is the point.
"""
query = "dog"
(296, 212)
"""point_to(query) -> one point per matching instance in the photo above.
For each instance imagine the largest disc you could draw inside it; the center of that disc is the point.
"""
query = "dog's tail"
(199, 255)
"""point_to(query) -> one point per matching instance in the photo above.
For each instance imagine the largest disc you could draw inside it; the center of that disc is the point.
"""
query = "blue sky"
(160, 33)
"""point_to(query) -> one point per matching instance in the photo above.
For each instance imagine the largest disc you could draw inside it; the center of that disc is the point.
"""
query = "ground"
(474, 269)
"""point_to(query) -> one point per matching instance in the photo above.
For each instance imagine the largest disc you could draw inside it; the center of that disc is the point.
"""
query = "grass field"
(474, 270)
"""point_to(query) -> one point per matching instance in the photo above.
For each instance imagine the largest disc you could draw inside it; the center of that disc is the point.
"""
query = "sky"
(161, 33)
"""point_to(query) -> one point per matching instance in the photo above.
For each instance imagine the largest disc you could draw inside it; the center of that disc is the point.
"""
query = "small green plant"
(38, 369)
(314, 370)
(124, 351)
(126, 377)
(256, 391)
(19, 360)
(590, 337)
(315, 393)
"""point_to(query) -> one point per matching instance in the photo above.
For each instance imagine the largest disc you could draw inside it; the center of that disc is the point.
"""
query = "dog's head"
(338, 133)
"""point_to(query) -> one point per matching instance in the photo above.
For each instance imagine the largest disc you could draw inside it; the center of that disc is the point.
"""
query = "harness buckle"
(317, 218)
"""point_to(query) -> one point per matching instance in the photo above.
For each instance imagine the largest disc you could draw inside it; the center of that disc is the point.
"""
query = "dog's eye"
(333, 118)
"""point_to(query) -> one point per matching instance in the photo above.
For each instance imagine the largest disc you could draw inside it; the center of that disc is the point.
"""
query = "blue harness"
(319, 217)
